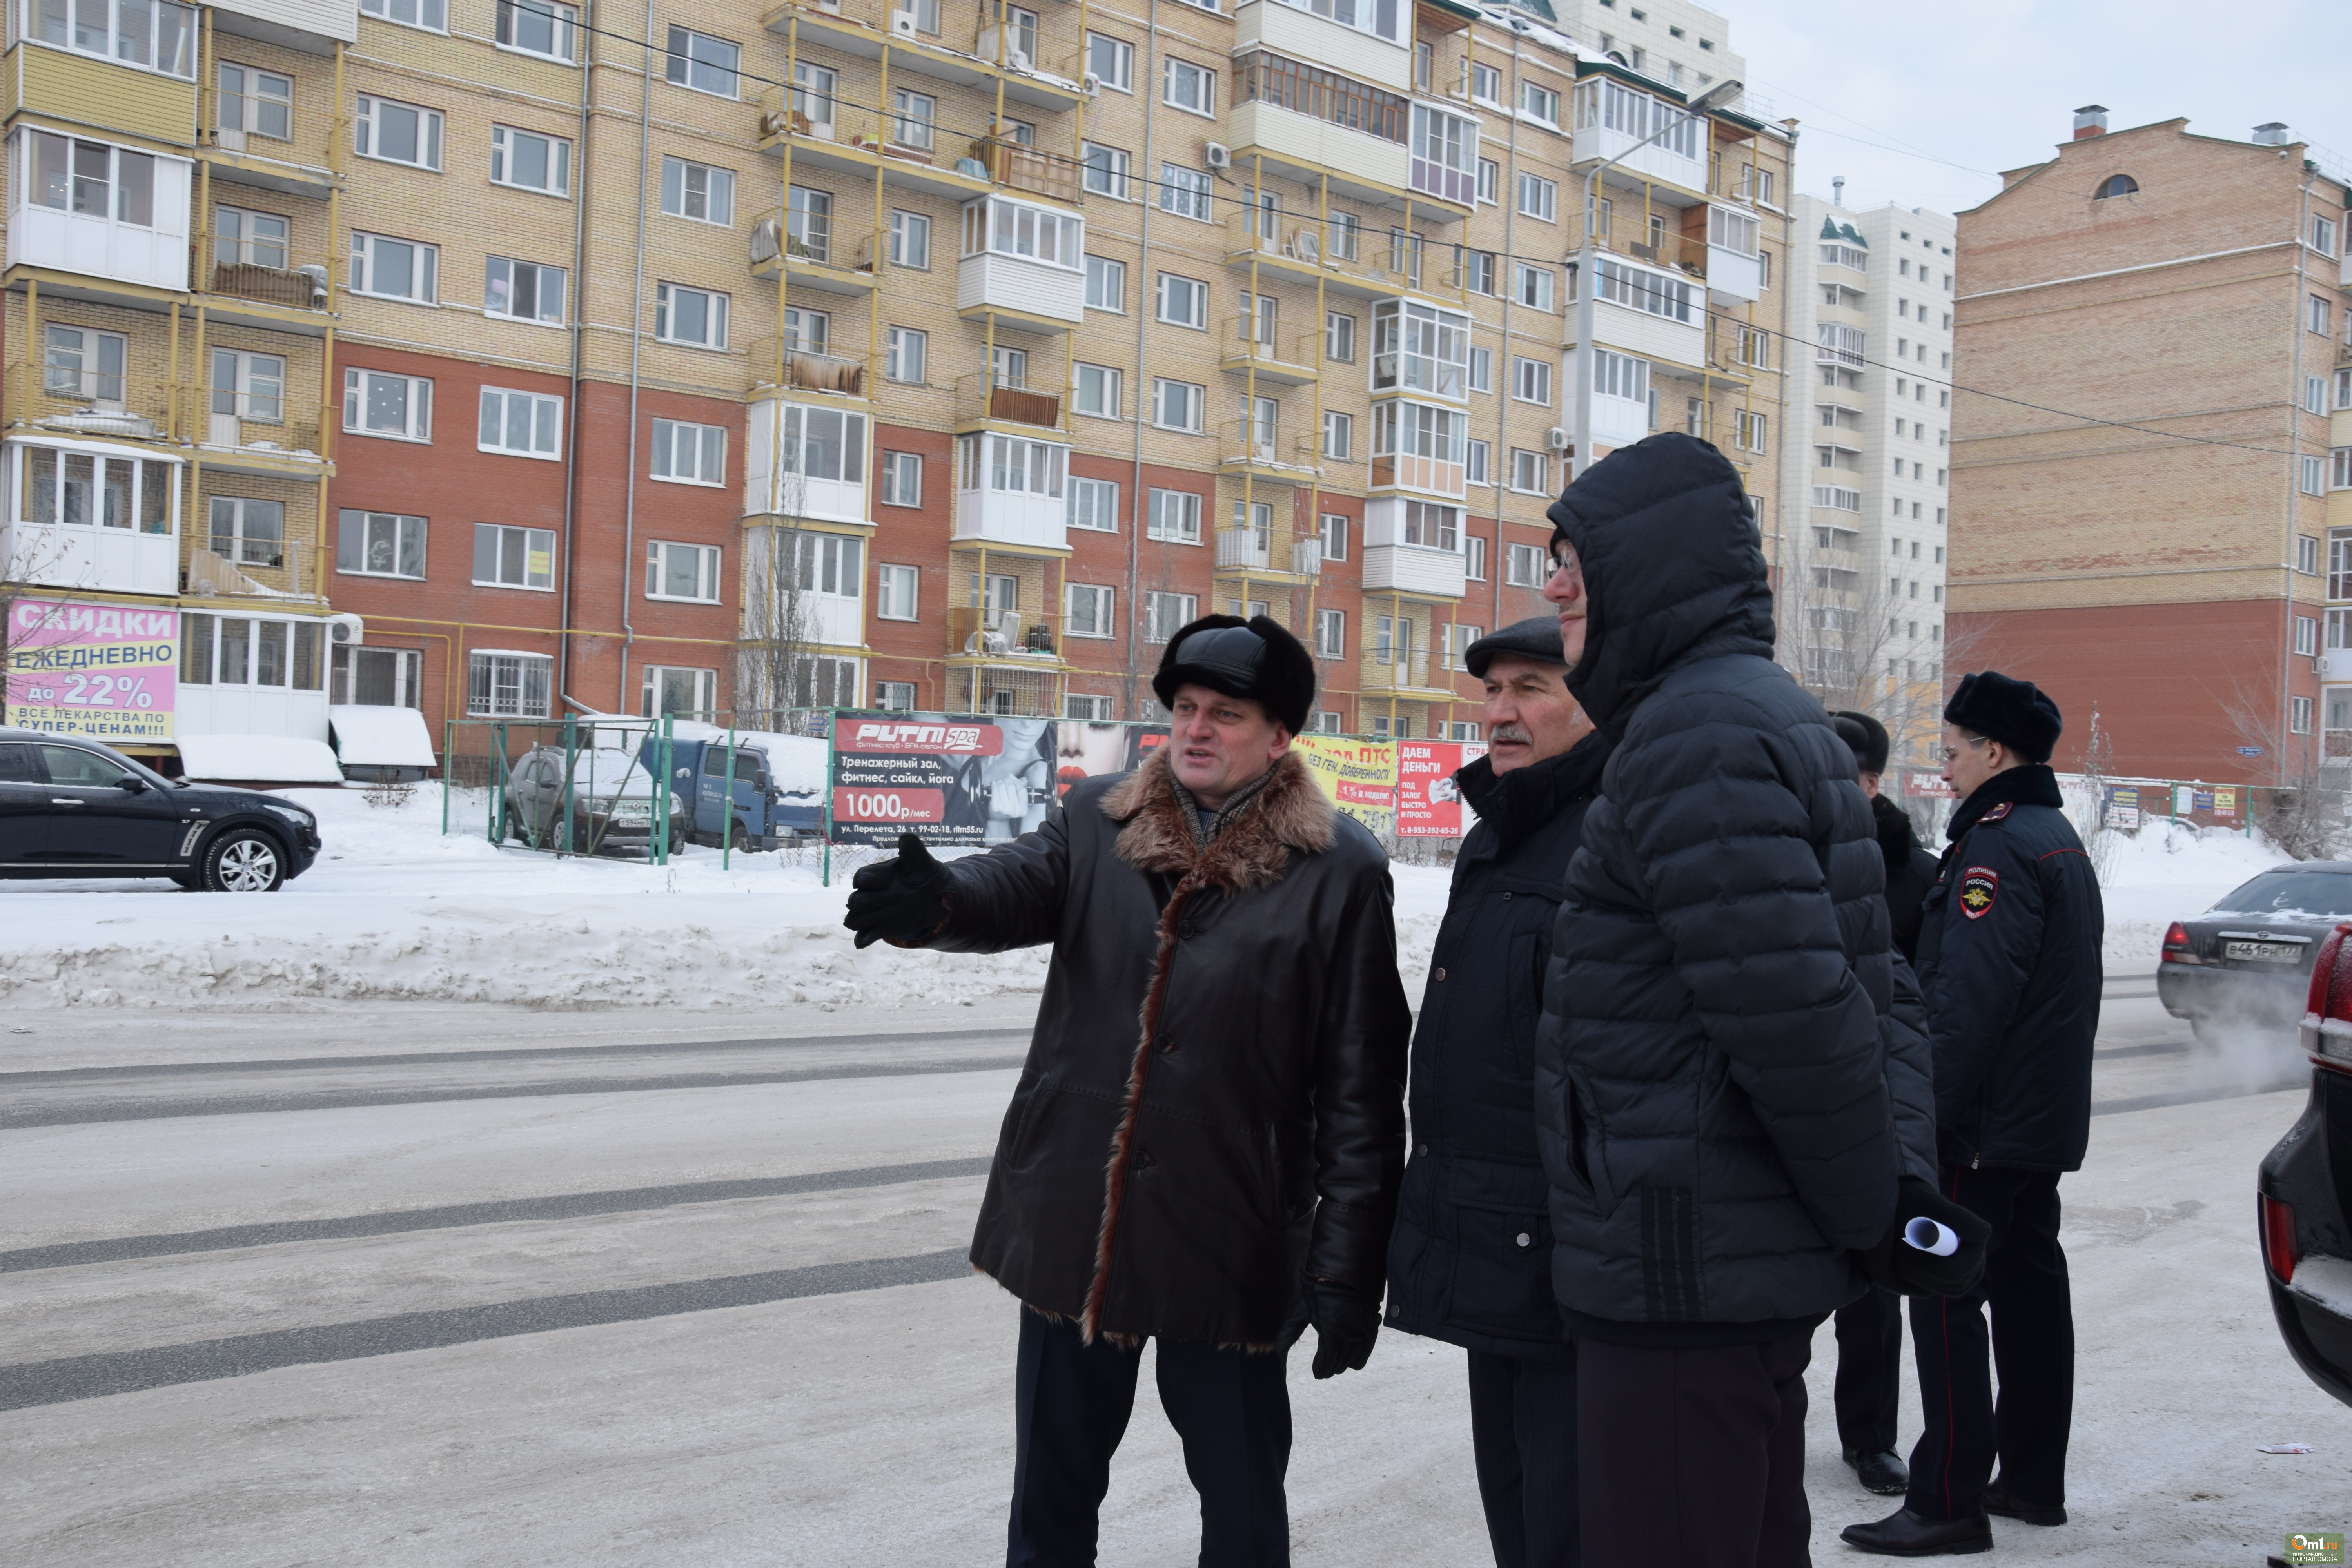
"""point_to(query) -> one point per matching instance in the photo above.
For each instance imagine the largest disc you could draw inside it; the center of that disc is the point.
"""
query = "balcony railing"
(1367, 260)
(983, 396)
(255, 128)
(254, 423)
(1026, 168)
(1623, 232)
(1290, 356)
(1400, 670)
(231, 568)
(1268, 550)
(1263, 447)
(265, 272)
(807, 372)
(1007, 634)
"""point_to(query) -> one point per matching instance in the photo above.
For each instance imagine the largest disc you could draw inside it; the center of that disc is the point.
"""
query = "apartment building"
(2145, 517)
(1686, 46)
(1863, 584)
(899, 352)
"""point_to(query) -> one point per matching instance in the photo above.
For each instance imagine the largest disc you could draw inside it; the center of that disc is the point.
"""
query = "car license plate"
(637, 809)
(2263, 951)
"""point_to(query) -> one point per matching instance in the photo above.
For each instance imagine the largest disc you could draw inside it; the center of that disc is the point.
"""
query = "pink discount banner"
(1428, 806)
(108, 672)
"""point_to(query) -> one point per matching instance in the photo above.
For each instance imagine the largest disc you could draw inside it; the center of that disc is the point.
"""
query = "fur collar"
(1289, 813)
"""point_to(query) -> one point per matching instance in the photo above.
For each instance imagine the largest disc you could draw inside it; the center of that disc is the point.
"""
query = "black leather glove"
(1907, 1270)
(897, 900)
(1346, 1322)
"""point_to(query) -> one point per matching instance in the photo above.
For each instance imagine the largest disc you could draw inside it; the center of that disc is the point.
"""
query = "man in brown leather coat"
(1206, 1144)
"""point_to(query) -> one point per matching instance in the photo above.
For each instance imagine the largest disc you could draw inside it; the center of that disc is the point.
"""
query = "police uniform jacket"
(2009, 956)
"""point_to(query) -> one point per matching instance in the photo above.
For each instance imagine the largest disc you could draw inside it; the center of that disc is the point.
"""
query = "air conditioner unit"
(1217, 155)
(346, 630)
(1093, 85)
(1558, 439)
(902, 24)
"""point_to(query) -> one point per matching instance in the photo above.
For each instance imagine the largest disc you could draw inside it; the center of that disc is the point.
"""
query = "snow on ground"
(395, 909)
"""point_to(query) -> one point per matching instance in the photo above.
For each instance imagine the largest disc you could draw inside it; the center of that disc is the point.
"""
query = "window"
(1105, 169)
(92, 178)
(1330, 634)
(1011, 464)
(1175, 519)
(1165, 614)
(539, 27)
(1334, 530)
(1486, 83)
(1531, 380)
(1090, 609)
(1186, 86)
(1184, 191)
(376, 677)
(1479, 271)
(1657, 294)
(2298, 715)
(1431, 526)
(2315, 395)
(1105, 285)
(251, 652)
(1530, 472)
(1482, 370)
(85, 364)
(1539, 103)
(1016, 228)
(2314, 476)
(524, 290)
(152, 35)
(1732, 231)
(1346, 238)
(513, 557)
(910, 240)
(2339, 474)
(669, 688)
(380, 544)
(395, 269)
(2316, 316)
(824, 563)
(248, 532)
(1478, 463)
(2307, 634)
(399, 133)
(376, 403)
(1094, 505)
(1473, 556)
(253, 238)
(688, 572)
(1338, 435)
(1539, 197)
(427, 13)
(1532, 285)
(698, 191)
(1177, 405)
(1523, 566)
(2323, 234)
(1111, 61)
(2114, 185)
(529, 161)
(1339, 337)
(704, 64)
(697, 317)
(1098, 390)
(1183, 301)
(508, 685)
(896, 596)
(690, 454)
(808, 224)
(915, 117)
(524, 423)
(1748, 431)
(902, 478)
(908, 355)
(254, 103)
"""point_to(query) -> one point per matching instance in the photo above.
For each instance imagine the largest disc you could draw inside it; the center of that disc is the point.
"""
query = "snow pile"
(395, 910)
(2165, 872)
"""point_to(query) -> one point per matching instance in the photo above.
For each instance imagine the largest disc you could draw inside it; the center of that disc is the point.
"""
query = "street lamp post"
(1588, 258)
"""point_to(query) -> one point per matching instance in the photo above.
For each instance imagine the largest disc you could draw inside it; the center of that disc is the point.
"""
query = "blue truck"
(765, 814)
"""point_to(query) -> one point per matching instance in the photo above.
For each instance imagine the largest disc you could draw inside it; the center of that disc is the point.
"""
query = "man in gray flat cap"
(1470, 1259)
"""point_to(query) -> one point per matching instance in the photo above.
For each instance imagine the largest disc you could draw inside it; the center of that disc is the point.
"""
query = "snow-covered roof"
(257, 758)
(381, 736)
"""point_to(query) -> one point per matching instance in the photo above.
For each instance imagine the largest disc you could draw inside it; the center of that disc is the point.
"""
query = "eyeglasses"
(1950, 753)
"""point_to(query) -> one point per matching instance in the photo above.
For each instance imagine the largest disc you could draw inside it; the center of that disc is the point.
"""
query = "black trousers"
(2031, 1344)
(1071, 1403)
(1869, 1372)
(1693, 1459)
(1523, 1434)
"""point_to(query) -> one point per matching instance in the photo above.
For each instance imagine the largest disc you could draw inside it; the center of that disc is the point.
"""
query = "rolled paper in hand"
(1931, 1237)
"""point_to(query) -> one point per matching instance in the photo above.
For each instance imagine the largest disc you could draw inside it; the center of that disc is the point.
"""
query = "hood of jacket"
(1673, 571)
(1517, 803)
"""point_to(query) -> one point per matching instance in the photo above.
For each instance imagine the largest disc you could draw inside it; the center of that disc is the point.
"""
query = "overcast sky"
(1893, 96)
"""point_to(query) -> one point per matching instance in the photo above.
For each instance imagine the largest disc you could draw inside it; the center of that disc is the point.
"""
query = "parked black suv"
(71, 807)
(2304, 1191)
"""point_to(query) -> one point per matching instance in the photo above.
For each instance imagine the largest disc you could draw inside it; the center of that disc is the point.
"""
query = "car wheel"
(245, 860)
(188, 881)
(737, 841)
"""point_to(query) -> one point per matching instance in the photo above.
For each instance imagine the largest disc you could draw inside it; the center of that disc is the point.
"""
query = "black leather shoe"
(1996, 1500)
(1883, 1473)
(1907, 1535)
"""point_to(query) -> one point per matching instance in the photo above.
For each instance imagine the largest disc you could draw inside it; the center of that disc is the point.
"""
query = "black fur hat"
(1865, 736)
(2014, 712)
(1253, 658)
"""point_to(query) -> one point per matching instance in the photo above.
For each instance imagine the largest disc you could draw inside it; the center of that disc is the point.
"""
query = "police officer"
(1470, 1262)
(2009, 954)
(1869, 1388)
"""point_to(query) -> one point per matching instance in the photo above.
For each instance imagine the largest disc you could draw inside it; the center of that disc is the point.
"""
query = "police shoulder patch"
(1979, 885)
(1998, 812)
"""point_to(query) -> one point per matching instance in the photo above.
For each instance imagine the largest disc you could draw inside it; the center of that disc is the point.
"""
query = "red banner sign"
(1428, 806)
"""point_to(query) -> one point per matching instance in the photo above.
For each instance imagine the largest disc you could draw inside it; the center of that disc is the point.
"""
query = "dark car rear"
(2305, 1188)
(2246, 962)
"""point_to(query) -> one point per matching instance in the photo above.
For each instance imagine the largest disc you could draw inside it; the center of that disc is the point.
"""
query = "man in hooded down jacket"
(1712, 1072)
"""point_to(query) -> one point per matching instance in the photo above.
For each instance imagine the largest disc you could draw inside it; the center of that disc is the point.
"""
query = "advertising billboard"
(966, 778)
(1427, 803)
(106, 672)
(1360, 777)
